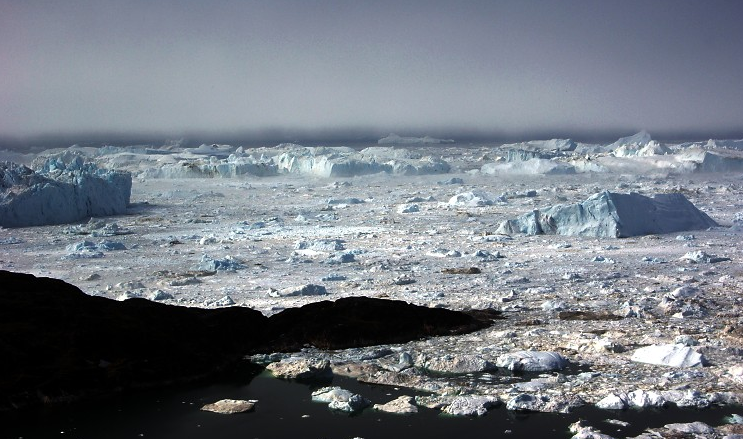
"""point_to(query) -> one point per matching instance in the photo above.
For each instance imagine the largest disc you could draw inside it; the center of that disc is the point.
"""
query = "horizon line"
(276, 136)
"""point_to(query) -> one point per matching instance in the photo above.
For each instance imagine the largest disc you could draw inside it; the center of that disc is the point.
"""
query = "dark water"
(284, 410)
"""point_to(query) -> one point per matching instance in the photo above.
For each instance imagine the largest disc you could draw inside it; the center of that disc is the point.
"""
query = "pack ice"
(612, 215)
(63, 190)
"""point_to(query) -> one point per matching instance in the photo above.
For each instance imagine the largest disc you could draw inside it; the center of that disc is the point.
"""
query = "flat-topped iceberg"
(713, 160)
(612, 215)
(213, 167)
(63, 191)
(346, 162)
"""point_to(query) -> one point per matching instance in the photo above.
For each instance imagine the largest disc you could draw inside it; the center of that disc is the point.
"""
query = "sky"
(415, 67)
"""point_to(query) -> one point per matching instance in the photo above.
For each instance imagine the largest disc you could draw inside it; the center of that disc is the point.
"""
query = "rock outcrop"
(362, 321)
(58, 344)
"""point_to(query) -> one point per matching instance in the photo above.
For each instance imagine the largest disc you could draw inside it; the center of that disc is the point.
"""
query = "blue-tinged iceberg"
(613, 215)
(63, 190)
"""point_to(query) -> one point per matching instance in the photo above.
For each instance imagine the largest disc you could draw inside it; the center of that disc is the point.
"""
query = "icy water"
(285, 410)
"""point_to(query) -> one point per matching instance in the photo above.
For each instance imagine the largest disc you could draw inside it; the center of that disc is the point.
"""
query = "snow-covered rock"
(60, 193)
(614, 215)
(672, 355)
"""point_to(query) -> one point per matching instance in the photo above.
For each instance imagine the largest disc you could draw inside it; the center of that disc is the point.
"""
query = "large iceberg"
(713, 160)
(543, 149)
(213, 167)
(347, 162)
(651, 148)
(725, 144)
(64, 190)
(613, 215)
(639, 140)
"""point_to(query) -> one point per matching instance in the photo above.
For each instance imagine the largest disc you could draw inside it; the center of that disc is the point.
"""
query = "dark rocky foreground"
(59, 344)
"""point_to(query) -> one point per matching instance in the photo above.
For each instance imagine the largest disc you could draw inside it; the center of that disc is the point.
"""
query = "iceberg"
(534, 166)
(613, 215)
(714, 160)
(537, 149)
(640, 139)
(62, 191)
(213, 167)
(651, 148)
(346, 162)
(736, 144)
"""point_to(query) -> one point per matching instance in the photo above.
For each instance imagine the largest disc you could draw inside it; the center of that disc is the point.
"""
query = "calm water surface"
(284, 410)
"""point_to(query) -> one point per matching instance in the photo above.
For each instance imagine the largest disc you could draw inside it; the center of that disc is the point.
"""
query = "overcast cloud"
(409, 67)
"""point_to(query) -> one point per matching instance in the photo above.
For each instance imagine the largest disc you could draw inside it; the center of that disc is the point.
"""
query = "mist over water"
(332, 137)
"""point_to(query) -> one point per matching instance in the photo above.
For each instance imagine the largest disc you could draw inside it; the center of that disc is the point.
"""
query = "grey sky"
(409, 67)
